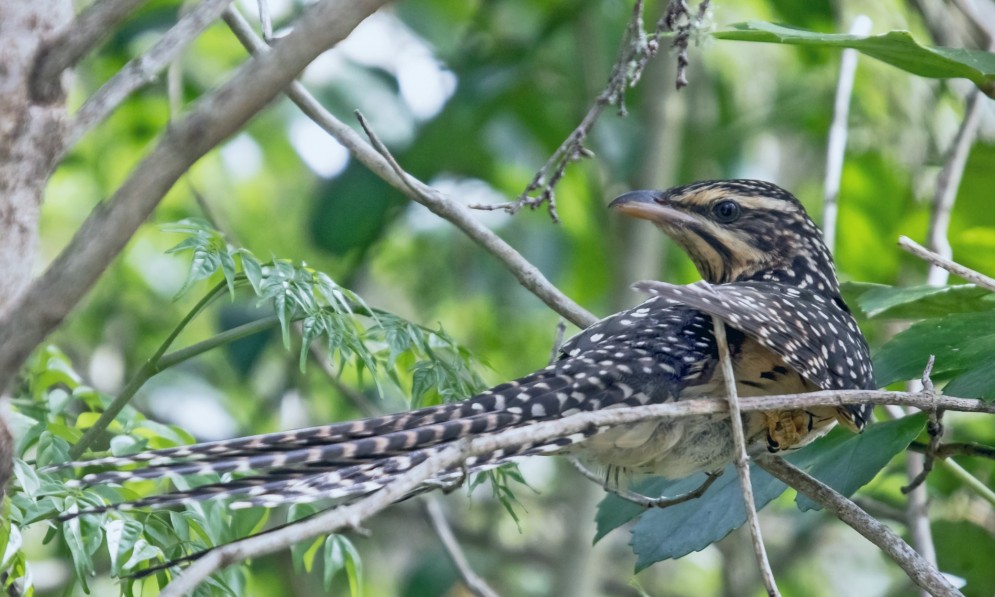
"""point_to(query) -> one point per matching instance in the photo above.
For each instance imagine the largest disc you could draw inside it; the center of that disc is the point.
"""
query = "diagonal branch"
(474, 584)
(915, 566)
(951, 266)
(214, 118)
(83, 34)
(143, 69)
(527, 274)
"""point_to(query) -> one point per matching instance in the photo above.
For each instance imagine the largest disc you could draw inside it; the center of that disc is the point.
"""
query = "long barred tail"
(347, 460)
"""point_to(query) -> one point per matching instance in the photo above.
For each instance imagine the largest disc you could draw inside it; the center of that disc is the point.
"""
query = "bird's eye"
(726, 211)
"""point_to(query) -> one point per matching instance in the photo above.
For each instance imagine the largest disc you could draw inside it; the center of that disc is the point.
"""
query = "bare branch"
(935, 429)
(740, 457)
(837, 133)
(918, 569)
(635, 52)
(956, 449)
(527, 274)
(144, 69)
(951, 266)
(215, 117)
(84, 33)
(948, 183)
(476, 585)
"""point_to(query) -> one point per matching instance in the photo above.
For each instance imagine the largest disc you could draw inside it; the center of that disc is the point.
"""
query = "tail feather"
(348, 459)
(490, 401)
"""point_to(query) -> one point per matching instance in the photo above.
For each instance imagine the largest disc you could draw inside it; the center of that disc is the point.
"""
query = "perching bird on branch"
(770, 279)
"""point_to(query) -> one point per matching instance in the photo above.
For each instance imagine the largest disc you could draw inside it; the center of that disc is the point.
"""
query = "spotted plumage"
(770, 279)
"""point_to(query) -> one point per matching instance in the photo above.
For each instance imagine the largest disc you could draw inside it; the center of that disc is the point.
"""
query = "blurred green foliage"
(509, 80)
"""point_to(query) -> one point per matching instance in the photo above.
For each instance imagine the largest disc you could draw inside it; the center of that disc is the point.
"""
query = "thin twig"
(918, 569)
(527, 274)
(954, 268)
(838, 132)
(143, 69)
(948, 183)
(956, 449)
(935, 429)
(644, 500)
(265, 21)
(214, 117)
(636, 50)
(476, 585)
(740, 457)
(90, 27)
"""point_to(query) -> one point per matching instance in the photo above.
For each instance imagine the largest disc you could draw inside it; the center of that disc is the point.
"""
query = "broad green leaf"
(965, 549)
(614, 511)
(962, 343)
(692, 526)
(842, 460)
(846, 462)
(917, 302)
(896, 48)
(978, 382)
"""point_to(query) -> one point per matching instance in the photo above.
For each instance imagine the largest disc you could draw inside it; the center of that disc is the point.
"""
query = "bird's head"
(739, 230)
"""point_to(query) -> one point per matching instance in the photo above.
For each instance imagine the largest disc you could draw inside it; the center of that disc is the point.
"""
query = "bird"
(767, 276)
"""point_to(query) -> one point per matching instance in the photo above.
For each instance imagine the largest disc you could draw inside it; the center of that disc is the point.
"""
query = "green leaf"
(842, 460)
(846, 462)
(252, 269)
(303, 552)
(962, 343)
(424, 378)
(614, 511)
(896, 48)
(340, 554)
(692, 526)
(82, 561)
(965, 549)
(917, 302)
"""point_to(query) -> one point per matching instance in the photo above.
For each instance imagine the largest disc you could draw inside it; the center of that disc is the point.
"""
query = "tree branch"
(947, 185)
(85, 32)
(951, 266)
(215, 117)
(741, 459)
(527, 274)
(918, 569)
(474, 584)
(837, 133)
(143, 69)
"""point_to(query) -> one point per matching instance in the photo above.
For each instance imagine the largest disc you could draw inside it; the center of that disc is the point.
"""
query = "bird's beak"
(647, 205)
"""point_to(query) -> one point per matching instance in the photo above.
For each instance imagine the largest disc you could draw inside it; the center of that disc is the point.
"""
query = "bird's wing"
(815, 335)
